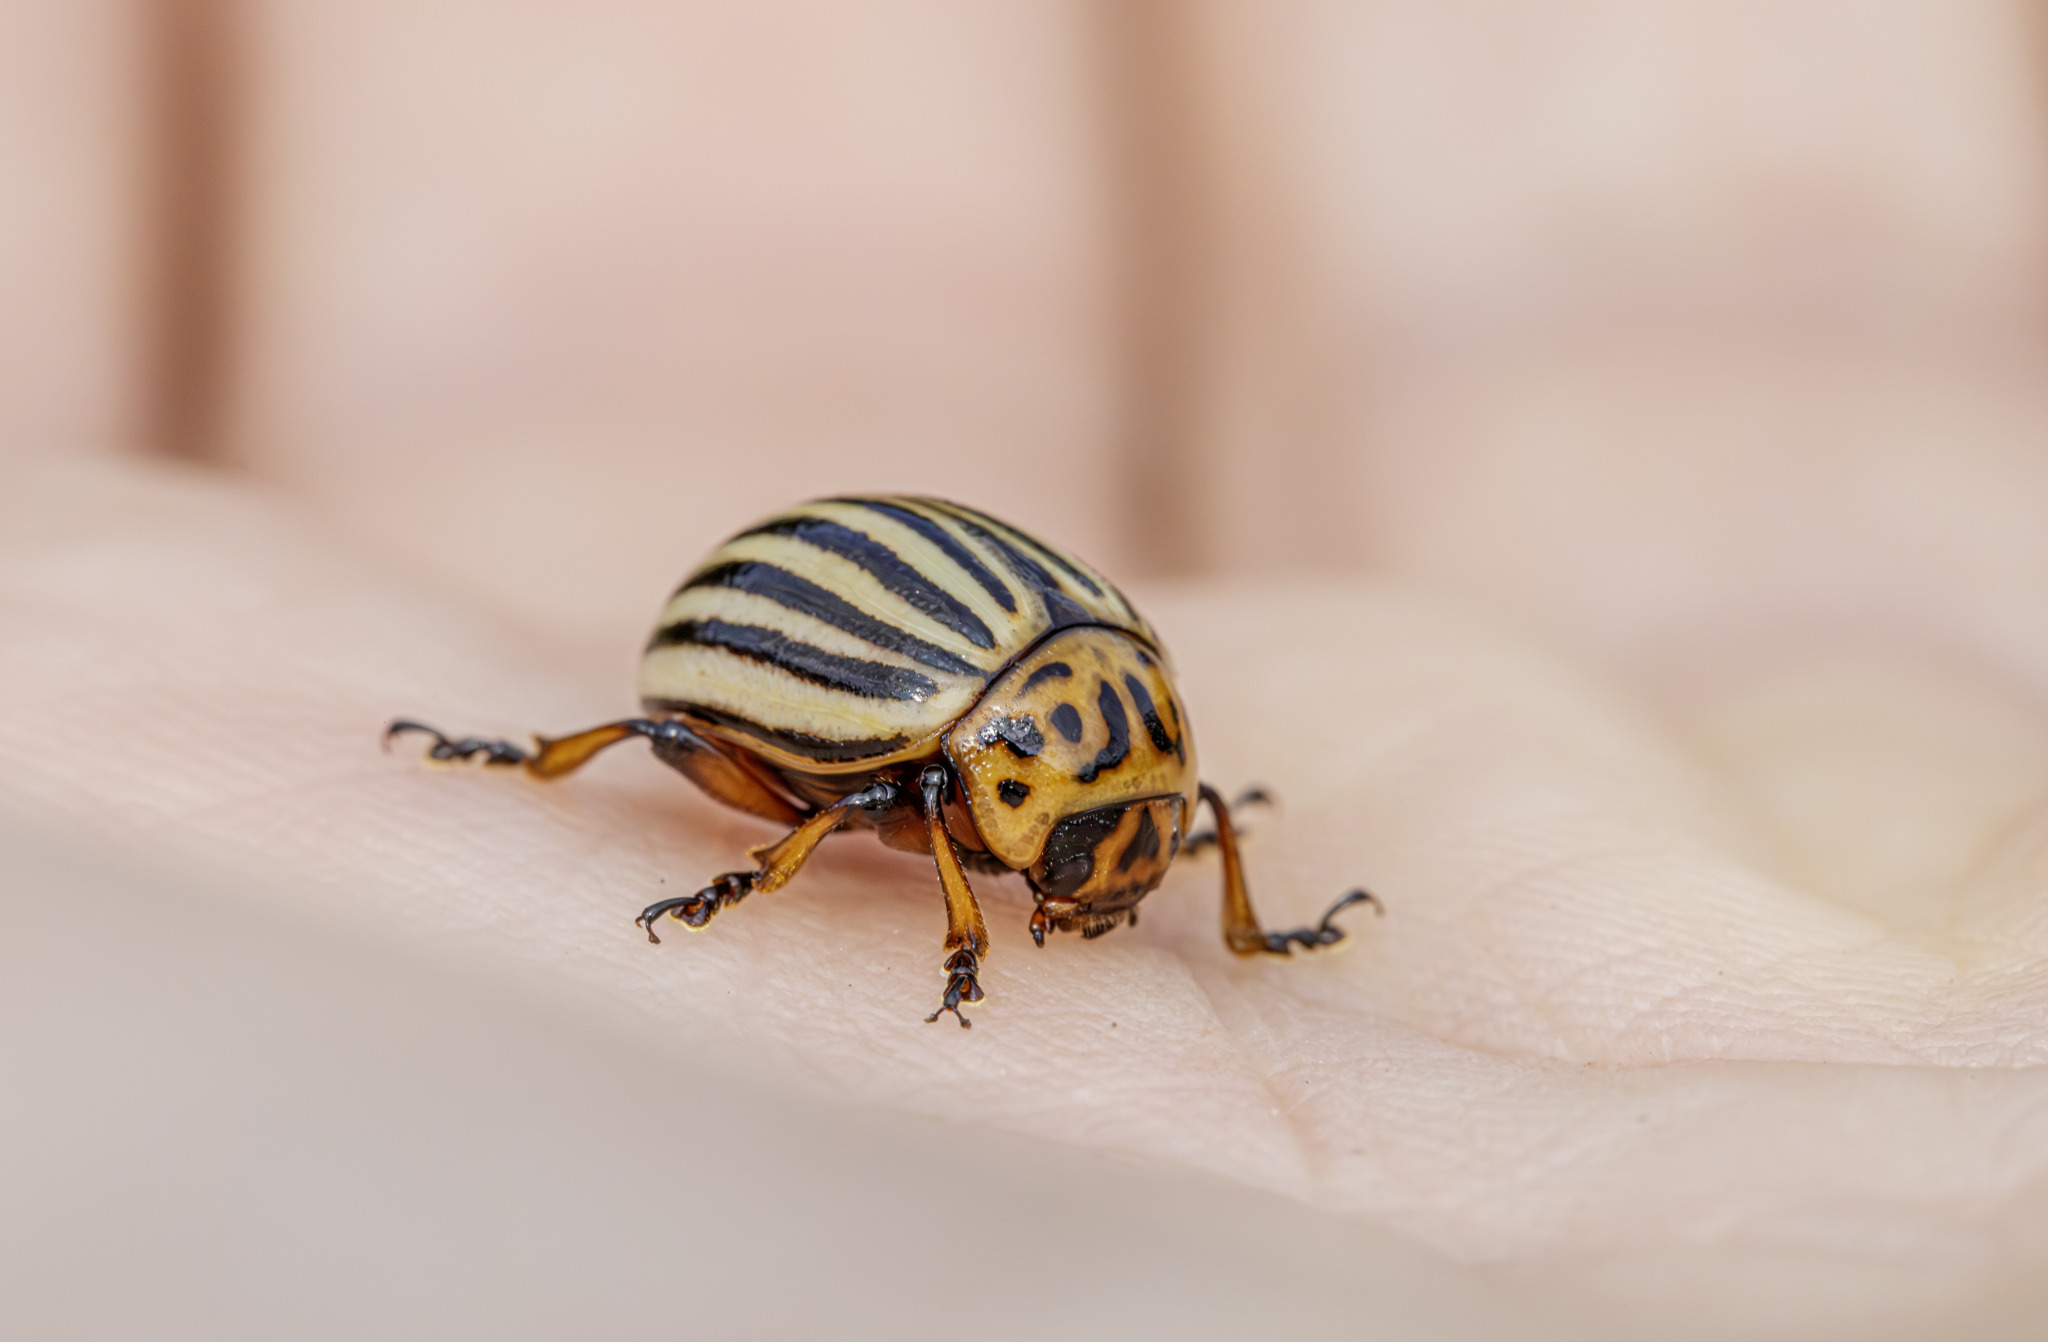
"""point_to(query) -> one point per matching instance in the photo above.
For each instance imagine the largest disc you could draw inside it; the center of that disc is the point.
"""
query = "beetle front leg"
(1241, 930)
(966, 934)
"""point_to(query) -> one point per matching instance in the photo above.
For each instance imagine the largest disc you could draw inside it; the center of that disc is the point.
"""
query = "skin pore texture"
(1715, 948)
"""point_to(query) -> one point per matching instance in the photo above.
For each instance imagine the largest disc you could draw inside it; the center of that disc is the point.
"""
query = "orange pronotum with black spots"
(918, 668)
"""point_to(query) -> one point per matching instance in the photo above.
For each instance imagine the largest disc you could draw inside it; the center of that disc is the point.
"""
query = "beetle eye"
(1070, 849)
(1064, 878)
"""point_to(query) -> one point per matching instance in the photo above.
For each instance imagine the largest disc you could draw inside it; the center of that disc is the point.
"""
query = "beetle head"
(1098, 864)
(1085, 727)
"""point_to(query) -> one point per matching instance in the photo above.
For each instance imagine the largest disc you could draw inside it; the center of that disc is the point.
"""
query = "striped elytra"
(847, 633)
(922, 670)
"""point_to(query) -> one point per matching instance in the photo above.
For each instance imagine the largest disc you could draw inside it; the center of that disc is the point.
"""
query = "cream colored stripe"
(1109, 607)
(1028, 621)
(855, 585)
(776, 699)
(736, 607)
(1010, 629)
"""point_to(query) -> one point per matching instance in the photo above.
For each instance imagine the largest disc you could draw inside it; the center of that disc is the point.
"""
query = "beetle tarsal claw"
(447, 750)
(1326, 932)
(694, 911)
(961, 986)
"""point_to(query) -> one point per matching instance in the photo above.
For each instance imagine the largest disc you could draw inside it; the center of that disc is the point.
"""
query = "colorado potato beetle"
(918, 668)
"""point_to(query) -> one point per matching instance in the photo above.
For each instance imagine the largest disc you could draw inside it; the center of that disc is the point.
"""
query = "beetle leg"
(778, 862)
(675, 745)
(1241, 930)
(966, 934)
(721, 774)
(694, 911)
(448, 749)
(1206, 838)
(781, 859)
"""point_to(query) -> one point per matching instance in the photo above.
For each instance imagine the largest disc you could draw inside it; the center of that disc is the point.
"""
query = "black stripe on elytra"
(806, 597)
(1119, 724)
(1060, 609)
(888, 567)
(1148, 713)
(1144, 845)
(1059, 561)
(854, 675)
(1030, 570)
(1067, 719)
(951, 548)
(820, 748)
(1049, 671)
(1067, 567)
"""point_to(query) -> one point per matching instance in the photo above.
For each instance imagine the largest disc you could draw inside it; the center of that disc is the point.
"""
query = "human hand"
(1689, 726)
(1608, 1018)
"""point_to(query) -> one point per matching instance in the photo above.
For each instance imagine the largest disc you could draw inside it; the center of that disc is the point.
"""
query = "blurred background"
(1197, 287)
(1674, 330)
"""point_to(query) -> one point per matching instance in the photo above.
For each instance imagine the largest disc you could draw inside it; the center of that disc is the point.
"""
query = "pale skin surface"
(1625, 1000)
(1692, 723)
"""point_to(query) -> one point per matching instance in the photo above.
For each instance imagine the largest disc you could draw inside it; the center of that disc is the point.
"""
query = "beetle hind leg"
(716, 770)
(549, 757)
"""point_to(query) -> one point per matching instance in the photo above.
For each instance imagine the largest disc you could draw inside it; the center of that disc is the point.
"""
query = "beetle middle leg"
(777, 861)
(966, 934)
(1241, 930)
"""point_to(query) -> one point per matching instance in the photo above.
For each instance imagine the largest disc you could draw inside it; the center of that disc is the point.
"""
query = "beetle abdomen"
(845, 633)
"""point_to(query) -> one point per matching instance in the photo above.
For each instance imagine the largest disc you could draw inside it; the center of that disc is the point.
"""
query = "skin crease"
(1690, 716)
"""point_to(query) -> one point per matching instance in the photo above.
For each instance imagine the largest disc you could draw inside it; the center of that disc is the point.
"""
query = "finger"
(74, 343)
(761, 291)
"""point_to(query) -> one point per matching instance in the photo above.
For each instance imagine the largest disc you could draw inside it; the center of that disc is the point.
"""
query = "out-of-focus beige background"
(1699, 339)
(1199, 288)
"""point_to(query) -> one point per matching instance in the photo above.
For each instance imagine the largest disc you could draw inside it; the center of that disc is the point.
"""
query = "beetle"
(918, 668)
